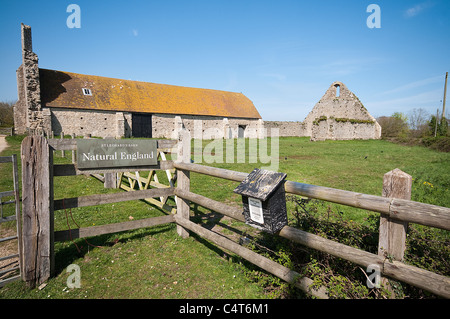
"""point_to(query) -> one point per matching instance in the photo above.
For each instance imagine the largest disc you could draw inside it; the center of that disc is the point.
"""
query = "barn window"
(338, 90)
(86, 91)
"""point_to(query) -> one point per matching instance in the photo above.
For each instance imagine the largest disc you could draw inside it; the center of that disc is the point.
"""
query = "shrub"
(427, 248)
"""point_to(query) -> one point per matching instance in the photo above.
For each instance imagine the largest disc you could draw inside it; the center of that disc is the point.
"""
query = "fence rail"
(6, 130)
(39, 207)
(426, 215)
(400, 209)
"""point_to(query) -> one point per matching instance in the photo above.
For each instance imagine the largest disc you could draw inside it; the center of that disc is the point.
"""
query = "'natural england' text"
(112, 157)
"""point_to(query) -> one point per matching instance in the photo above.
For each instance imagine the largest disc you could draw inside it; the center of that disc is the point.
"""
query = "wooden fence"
(6, 131)
(8, 275)
(38, 207)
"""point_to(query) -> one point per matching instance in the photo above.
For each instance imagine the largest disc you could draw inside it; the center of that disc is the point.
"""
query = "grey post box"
(264, 200)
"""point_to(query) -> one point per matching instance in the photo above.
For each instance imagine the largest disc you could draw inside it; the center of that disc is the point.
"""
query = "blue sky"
(282, 54)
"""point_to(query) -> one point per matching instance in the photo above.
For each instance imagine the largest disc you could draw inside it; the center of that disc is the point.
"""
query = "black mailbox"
(264, 201)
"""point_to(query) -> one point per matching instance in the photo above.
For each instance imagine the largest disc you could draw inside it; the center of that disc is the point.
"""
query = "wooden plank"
(211, 204)
(71, 169)
(6, 194)
(64, 235)
(110, 180)
(100, 199)
(392, 233)
(268, 265)
(5, 159)
(37, 210)
(3, 239)
(211, 171)
(369, 202)
(9, 257)
(358, 200)
(427, 280)
(183, 179)
(63, 144)
(167, 143)
(420, 213)
(8, 280)
(7, 219)
(411, 211)
(415, 276)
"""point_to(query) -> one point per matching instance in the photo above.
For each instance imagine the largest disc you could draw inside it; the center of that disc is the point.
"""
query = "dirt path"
(3, 143)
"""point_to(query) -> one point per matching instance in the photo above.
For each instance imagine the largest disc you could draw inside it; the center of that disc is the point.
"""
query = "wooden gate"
(11, 265)
(38, 204)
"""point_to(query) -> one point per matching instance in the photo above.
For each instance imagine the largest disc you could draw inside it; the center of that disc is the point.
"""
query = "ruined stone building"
(57, 101)
(338, 115)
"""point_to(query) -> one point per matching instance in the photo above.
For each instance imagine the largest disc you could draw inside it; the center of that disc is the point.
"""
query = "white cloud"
(417, 9)
(135, 32)
(429, 100)
(414, 85)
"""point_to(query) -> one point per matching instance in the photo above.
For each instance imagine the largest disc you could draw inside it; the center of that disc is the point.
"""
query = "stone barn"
(340, 115)
(71, 103)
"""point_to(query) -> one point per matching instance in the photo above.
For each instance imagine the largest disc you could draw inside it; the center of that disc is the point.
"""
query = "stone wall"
(20, 108)
(206, 127)
(119, 124)
(29, 117)
(331, 129)
(96, 123)
(286, 128)
(340, 115)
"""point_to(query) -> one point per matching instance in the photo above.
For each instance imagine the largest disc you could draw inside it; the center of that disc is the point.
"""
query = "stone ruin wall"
(286, 128)
(168, 126)
(28, 114)
(331, 129)
(340, 116)
(337, 116)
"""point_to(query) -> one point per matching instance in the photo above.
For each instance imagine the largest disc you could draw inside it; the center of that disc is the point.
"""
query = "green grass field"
(157, 263)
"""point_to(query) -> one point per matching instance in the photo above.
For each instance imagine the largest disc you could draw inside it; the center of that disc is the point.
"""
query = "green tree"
(442, 126)
(6, 114)
(394, 126)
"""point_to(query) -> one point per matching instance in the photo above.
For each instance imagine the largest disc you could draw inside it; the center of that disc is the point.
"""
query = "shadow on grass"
(78, 248)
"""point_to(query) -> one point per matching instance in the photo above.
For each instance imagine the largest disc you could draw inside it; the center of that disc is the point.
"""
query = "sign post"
(112, 153)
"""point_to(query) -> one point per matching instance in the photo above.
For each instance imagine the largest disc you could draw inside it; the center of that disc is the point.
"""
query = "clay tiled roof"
(64, 89)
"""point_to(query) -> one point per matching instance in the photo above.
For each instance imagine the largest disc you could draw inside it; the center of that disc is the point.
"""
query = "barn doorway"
(241, 130)
(142, 125)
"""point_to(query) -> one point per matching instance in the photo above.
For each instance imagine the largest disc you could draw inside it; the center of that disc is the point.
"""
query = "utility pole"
(445, 94)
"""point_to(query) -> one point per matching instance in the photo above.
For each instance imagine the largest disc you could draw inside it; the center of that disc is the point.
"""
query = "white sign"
(255, 208)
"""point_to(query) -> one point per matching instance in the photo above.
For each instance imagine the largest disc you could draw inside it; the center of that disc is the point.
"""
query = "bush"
(393, 126)
(427, 248)
(438, 143)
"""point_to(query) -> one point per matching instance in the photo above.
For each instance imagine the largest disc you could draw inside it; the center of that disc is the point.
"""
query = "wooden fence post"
(74, 158)
(183, 178)
(37, 210)
(392, 233)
